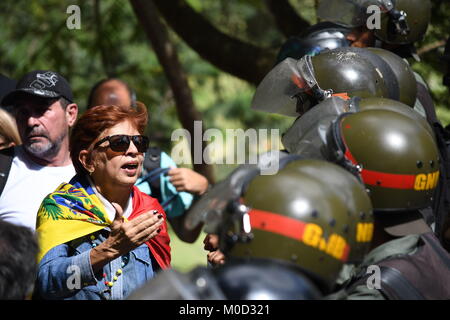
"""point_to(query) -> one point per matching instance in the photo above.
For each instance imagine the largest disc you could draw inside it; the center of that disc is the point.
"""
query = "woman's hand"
(126, 236)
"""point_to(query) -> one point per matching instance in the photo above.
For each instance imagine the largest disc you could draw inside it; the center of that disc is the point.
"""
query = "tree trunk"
(156, 32)
(104, 56)
(241, 59)
(287, 20)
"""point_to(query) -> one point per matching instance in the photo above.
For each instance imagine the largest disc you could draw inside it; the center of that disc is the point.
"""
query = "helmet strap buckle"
(399, 22)
(237, 227)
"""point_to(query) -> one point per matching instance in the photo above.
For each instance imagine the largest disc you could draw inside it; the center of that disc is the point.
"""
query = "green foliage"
(432, 67)
(241, 19)
(186, 256)
(112, 44)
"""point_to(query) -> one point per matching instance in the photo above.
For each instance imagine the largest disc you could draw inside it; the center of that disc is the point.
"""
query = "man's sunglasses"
(121, 142)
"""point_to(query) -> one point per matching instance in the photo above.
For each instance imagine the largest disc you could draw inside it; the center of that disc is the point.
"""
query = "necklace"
(116, 275)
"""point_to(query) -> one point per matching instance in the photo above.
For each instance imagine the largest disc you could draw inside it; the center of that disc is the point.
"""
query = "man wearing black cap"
(44, 109)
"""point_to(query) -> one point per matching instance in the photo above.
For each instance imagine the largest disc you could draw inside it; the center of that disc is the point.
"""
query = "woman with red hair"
(100, 237)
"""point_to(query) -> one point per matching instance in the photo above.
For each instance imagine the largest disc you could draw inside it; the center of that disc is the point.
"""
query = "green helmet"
(354, 71)
(311, 215)
(392, 105)
(395, 155)
(295, 86)
(417, 16)
(402, 21)
(307, 135)
(403, 73)
(404, 78)
(396, 73)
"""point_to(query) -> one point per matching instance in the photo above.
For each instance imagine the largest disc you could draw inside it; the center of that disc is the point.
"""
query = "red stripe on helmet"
(385, 180)
(291, 228)
(388, 180)
(276, 223)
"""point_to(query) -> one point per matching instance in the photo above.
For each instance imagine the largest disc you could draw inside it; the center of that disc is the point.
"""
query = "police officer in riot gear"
(294, 87)
(355, 23)
(398, 160)
(389, 137)
(403, 22)
(304, 83)
(392, 149)
(286, 236)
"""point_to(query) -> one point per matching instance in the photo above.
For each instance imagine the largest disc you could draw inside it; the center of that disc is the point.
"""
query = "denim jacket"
(66, 273)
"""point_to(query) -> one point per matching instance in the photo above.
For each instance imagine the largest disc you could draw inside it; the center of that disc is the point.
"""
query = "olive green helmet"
(295, 86)
(392, 105)
(312, 215)
(397, 75)
(417, 16)
(395, 155)
(403, 75)
(307, 135)
(353, 71)
(401, 21)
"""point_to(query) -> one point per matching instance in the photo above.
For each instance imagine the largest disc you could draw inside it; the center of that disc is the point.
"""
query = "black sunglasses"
(121, 142)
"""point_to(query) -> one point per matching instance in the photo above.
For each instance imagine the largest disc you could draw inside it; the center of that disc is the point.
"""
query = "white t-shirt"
(28, 184)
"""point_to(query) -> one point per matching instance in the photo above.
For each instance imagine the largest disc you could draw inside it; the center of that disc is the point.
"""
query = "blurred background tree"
(223, 47)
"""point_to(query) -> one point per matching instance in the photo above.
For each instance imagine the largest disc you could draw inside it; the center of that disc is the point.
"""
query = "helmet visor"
(280, 89)
(210, 209)
(308, 133)
(349, 13)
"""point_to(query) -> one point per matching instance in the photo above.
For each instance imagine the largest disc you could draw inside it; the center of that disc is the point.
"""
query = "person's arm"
(185, 185)
(185, 179)
(60, 276)
(57, 274)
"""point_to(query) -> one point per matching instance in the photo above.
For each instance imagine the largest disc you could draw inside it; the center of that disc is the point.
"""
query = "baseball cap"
(403, 224)
(40, 83)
